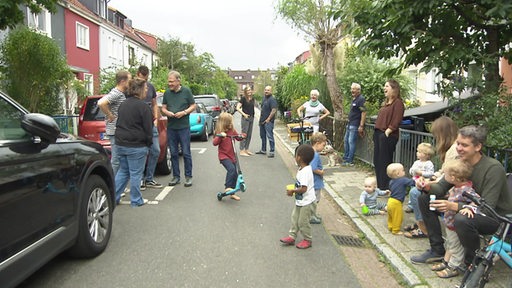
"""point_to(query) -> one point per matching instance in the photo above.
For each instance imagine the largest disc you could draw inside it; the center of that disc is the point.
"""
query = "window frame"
(85, 38)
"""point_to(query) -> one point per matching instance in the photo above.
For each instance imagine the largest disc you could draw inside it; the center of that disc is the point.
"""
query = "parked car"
(201, 123)
(212, 103)
(226, 106)
(91, 126)
(56, 193)
(233, 104)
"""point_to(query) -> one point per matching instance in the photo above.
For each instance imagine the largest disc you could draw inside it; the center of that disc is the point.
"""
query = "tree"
(11, 14)
(450, 35)
(33, 70)
(315, 19)
(263, 79)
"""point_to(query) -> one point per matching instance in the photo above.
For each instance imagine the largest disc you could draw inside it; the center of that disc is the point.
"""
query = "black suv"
(212, 103)
(56, 193)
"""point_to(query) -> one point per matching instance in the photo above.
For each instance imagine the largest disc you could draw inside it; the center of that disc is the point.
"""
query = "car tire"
(94, 219)
(164, 167)
(204, 134)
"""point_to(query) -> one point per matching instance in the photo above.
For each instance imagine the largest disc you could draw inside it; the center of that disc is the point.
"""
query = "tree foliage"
(315, 19)
(33, 70)
(11, 13)
(449, 35)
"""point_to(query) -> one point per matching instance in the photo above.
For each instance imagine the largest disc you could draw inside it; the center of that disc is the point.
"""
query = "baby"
(398, 186)
(368, 198)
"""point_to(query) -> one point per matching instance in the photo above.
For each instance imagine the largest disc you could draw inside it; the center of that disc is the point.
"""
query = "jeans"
(350, 143)
(431, 220)
(231, 175)
(246, 124)
(176, 137)
(154, 152)
(114, 158)
(469, 229)
(414, 193)
(267, 131)
(384, 148)
(131, 160)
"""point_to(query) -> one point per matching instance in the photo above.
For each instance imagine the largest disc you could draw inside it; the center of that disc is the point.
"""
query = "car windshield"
(92, 111)
(207, 101)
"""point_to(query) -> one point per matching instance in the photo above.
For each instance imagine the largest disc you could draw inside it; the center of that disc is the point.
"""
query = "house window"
(102, 9)
(89, 83)
(40, 22)
(82, 36)
(131, 55)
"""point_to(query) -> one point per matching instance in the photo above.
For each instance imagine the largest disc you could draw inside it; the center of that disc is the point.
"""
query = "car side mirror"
(41, 125)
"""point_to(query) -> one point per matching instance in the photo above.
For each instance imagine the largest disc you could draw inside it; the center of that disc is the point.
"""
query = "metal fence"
(405, 152)
(67, 123)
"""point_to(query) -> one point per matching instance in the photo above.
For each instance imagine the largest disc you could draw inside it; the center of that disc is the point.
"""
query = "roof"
(432, 111)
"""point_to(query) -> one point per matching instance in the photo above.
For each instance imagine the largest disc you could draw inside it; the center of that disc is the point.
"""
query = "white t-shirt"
(314, 112)
(305, 178)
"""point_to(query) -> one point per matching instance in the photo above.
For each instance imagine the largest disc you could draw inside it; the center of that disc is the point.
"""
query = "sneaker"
(144, 202)
(347, 164)
(427, 257)
(287, 241)
(409, 210)
(153, 184)
(188, 181)
(174, 181)
(261, 152)
(142, 186)
(304, 244)
(271, 155)
(315, 220)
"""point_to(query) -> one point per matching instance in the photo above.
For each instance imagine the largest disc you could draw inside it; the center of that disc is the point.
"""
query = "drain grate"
(348, 240)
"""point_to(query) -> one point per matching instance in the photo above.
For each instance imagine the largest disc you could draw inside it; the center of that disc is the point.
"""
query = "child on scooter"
(304, 192)
(226, 151)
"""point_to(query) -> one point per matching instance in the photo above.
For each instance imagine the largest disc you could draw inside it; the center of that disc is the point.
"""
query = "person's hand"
(443, 205)
(155, 122)
(180, 114)
(111, 117)
(223, 134)
(422, 184)
(289, 192)
(246, 115)
(388, 192)
(468, 212)
(388, 132)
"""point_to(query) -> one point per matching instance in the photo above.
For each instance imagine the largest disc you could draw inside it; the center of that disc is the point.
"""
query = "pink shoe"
(287, 241)
(304, 244)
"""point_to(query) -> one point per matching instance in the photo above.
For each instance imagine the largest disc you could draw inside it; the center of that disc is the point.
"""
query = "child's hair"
(393, 169)
(224, 123)
(305, 152)
(459, 169)
(426, 148)
(370, 181)
(317, 137)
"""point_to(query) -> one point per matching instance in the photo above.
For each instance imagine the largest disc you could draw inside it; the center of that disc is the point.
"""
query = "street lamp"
(183, 58)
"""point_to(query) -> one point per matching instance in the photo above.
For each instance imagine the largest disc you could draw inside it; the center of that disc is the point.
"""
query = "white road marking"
(201, 150)
(161, 196)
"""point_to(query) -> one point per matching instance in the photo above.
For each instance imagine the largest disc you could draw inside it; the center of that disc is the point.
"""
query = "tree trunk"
(332, 84)
(492, 76)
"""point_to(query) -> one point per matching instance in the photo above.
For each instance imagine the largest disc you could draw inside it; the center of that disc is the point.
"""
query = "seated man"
(489, 181)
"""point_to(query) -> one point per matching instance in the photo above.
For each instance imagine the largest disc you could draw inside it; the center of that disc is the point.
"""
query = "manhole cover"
(348, 241)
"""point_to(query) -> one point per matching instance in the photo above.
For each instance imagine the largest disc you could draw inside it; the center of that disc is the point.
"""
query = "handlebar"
(481, 202)
(297, 120)
(237, 136)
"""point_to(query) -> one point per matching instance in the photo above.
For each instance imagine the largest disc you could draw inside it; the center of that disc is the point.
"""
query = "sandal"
(439, 266)
(415, 234)
(448, 272)
(411, 227)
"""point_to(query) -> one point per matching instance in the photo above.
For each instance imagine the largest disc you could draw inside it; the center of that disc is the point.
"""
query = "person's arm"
(239, 109)
(363, 120)
(105, 108)
(428, 171)
(396, 117)
(326, 113)
(147, 124)
(494, 183)
(362, 197)
(156, 115)
(167, 112)
(414, 167)
(299, 110)
(191, 108)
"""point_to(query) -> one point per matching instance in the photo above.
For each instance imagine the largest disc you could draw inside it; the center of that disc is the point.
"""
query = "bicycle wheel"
(476, 279)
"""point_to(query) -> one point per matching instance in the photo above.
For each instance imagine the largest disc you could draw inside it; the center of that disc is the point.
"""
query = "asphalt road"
(187, 238)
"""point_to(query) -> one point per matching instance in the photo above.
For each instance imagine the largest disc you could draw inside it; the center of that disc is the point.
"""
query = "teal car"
(201, 123)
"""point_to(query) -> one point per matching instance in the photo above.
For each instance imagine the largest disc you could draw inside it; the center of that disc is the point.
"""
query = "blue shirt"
(356, 108)
(398, 187)
(316, 164)
(266, 107)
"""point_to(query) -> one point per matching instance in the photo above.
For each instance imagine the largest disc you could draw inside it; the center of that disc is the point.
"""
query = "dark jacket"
(134, 126)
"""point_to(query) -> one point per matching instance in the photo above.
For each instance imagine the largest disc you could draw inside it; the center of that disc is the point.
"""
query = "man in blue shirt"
(356, 119)
(267, 116)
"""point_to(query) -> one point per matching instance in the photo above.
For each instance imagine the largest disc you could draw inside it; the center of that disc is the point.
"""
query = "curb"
(394, 258)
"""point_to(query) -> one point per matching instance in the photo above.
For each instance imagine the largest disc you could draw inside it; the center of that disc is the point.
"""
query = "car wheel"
(204, 135)
(164, 167)
(94, 219)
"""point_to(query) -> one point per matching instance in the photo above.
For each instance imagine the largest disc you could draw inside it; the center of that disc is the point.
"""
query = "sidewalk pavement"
(344, 185)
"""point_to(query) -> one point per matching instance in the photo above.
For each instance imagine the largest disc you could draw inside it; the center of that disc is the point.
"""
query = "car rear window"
(92, 111)
(208, 101)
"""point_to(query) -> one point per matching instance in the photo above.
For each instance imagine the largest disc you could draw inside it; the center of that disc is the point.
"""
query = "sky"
(240, 34)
